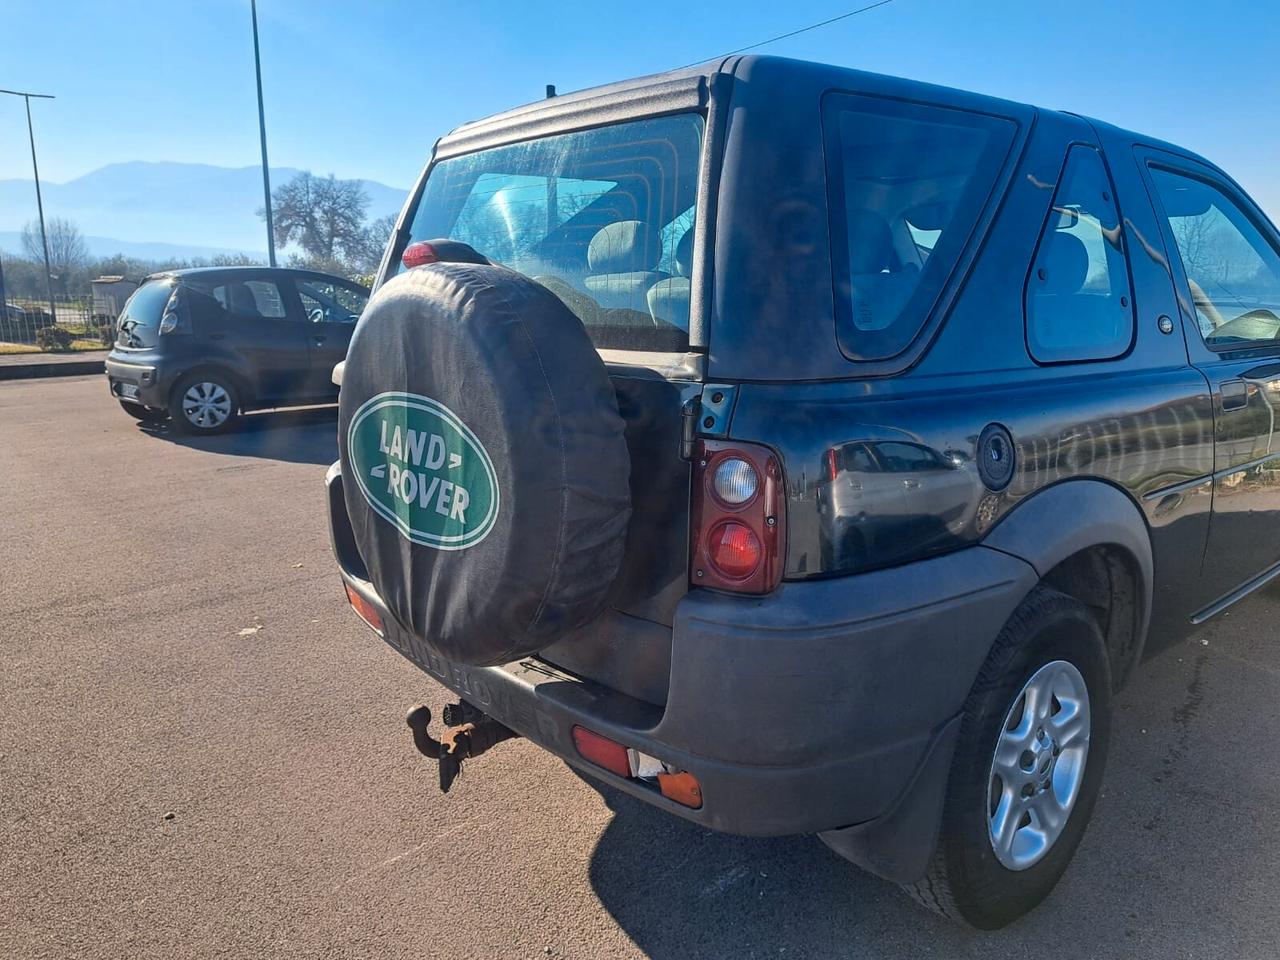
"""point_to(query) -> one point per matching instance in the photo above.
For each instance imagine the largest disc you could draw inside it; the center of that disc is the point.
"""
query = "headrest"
(1183, 197)
(929, 216)
(870, 243)
(1065, 262)
(684, 254)
(628, 246)
(240, 299)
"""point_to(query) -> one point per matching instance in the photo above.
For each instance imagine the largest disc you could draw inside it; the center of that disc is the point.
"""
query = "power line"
(793, 33)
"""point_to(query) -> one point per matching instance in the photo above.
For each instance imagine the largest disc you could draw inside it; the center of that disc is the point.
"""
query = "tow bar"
(468, 733)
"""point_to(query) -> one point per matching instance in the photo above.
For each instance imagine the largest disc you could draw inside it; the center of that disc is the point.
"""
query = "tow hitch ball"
(468, 734)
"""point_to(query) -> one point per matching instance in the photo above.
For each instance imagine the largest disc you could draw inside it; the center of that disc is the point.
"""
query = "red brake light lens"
(734, 549)
(417, 254)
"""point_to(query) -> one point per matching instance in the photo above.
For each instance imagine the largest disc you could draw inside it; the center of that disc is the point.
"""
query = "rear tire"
(1037, 777)
(144, 414)
(204, 402)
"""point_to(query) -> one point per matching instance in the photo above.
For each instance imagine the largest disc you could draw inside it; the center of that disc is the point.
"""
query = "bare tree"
(67, 249)
(323, 215)
(366, 256)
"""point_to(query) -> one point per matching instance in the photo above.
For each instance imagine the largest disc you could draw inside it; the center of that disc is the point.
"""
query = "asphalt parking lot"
(202, 754)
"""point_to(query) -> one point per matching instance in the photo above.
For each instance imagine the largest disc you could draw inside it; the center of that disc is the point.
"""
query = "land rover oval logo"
(423, 470)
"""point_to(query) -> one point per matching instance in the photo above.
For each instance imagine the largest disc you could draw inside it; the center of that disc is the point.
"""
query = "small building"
(110, 294)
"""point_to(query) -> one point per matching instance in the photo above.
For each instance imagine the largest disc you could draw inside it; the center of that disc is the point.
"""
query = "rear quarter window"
(907, 184)
(1078, 301)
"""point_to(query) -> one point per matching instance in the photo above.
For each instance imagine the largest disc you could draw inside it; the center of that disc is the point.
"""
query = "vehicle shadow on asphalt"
(304, 435)
(681, 891)
(1166, 867)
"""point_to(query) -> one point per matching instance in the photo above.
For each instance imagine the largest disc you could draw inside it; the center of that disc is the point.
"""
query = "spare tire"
(485, 470)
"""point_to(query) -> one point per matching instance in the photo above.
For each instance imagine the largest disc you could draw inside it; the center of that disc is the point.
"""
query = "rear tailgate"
(629, 647)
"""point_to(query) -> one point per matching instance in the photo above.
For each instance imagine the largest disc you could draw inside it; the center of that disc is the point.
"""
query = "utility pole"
(262, 134)
(35, 169)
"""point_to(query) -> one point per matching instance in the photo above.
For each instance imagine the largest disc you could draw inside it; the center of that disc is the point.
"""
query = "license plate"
(129, 391)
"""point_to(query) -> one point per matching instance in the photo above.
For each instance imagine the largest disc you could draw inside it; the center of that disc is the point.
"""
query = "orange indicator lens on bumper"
(364, 608)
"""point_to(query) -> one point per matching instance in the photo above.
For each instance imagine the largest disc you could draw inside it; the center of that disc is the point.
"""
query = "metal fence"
(73, 323)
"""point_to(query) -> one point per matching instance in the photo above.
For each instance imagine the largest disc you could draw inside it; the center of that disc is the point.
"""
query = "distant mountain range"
(158, 210)
(11, 243)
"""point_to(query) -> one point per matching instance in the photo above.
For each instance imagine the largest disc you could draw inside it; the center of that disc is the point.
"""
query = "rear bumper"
(143, 374)
(820, 706)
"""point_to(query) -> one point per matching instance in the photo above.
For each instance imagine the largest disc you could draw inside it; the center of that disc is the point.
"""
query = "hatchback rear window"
(147, 304)
(603, 218)
(907, 184)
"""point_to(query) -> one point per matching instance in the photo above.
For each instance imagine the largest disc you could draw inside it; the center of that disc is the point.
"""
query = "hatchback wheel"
(1028, 765)
(204, 403)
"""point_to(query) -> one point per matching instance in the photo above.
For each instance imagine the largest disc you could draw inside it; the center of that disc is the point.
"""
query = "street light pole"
(262, 134)
(35, 169)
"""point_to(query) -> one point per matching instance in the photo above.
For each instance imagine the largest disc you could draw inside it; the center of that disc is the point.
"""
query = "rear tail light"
(738, 519)
(171, 319)
(365, 609)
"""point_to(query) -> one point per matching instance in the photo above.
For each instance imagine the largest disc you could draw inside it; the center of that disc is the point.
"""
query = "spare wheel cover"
(484, 466)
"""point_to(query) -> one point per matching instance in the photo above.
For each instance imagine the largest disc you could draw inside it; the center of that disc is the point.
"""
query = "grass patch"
(77, 346)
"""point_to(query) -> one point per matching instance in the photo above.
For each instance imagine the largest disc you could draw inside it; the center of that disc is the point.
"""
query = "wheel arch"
(1102, 557)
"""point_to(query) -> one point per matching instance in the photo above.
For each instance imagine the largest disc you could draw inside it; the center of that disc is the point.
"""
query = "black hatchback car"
(200, 346)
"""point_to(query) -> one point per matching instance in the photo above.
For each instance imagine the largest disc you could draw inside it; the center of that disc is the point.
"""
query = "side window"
(907, 185)
(852, 456)
(1232, 268)
(331, 302)
(906, 457)
(1078, 299)
(251, 298)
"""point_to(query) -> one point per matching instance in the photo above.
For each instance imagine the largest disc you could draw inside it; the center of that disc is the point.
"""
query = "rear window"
(907, 184)
(146, 306)
(603, 218)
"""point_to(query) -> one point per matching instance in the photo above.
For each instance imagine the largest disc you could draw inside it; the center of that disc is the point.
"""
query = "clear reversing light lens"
(735, 481)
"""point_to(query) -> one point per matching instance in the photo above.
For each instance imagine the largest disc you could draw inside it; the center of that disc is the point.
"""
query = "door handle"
(217, 336)
(911, 484)
(318, 339)
(1234, 393)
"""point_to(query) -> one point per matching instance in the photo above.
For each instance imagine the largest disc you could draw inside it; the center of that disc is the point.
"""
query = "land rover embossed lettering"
(423, 470)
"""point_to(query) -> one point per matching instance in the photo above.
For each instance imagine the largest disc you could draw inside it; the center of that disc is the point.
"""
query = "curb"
(50, 368)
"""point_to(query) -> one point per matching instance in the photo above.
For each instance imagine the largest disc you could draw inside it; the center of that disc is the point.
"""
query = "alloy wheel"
(1039, 765)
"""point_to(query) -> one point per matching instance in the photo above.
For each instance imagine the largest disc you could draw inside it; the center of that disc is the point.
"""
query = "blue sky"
(363, 89)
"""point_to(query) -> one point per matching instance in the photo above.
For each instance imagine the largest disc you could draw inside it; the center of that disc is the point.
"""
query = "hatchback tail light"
(738, 519)
(171, 319)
